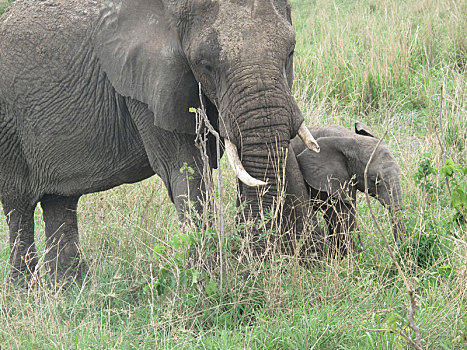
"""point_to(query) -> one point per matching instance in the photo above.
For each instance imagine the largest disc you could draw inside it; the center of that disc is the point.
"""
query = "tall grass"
(155, 284)
(365, 55)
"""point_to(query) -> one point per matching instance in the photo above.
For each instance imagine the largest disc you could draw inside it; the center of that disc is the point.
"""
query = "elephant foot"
(74, 272)
(21, 279)
(23, 271)
(68, 266)
(312, 250)
(342, 245)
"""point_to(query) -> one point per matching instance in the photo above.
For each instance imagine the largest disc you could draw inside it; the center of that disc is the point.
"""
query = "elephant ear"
(284, 9)
(363, 129)
(326, 171)
(139, 49)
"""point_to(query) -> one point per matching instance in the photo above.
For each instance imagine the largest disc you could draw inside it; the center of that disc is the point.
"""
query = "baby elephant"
(333, 176)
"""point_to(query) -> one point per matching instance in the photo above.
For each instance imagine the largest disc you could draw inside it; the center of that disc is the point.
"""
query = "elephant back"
(323, 131)
(54, 38)
(330, 131)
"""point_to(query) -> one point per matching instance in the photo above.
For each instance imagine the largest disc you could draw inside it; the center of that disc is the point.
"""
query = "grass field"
(395, 65)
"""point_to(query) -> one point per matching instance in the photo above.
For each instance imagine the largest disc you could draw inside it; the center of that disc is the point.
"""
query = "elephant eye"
(206, 66)
(374, 179)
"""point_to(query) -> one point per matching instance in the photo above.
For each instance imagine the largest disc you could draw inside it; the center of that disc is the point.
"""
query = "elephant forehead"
(392, 167)
(387, 159)
(240, 31)
(388, 169)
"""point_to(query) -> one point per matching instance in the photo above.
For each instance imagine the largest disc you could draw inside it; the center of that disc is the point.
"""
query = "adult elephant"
(94, 94)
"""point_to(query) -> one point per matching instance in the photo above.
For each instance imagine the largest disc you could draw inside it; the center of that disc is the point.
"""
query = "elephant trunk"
(397, 213)
(263, 205)
(398, 226)
(260, 119)
(392, 199)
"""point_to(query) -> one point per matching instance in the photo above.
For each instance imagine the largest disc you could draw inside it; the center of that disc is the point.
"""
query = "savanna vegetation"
(399, 66)
(4, 4)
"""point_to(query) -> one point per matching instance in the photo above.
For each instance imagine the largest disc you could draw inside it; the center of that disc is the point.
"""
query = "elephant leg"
(299, 216)
(340, 218)
(184, 180)
(173, 157)
(23, 255)
(177, 161)
(62, 256)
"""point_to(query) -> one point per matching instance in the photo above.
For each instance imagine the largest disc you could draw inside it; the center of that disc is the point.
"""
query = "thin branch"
(413, 305)
(219, 217)
(319, 338)
(416, 345)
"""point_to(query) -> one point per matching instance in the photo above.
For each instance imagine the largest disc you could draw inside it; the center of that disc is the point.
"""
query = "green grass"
(4, 4)
(381, 62)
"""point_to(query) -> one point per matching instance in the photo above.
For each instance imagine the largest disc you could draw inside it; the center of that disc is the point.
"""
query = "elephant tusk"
(238, 168)
(308, 138)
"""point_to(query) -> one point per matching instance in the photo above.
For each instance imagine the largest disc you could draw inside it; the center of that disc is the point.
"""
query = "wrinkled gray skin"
(94, 94)
(335, 174)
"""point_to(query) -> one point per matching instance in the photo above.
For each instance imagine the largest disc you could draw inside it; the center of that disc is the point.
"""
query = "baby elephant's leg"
(340, 218)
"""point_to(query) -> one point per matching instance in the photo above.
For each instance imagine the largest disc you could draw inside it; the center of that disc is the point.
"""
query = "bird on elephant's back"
(94, 94)
(334, 175)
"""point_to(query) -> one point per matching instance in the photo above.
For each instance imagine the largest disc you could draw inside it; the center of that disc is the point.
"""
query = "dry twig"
(203, 128)
(413, 304)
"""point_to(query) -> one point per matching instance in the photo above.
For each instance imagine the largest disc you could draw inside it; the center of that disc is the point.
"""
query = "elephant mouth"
(239, 169)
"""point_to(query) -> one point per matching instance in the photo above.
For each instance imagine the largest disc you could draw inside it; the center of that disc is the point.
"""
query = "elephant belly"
(79, 175)
(97, 152)
(73, 148)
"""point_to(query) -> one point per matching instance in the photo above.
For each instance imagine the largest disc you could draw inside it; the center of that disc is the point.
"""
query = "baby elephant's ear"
(363, 129)
(325, 171)
(138, 47)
